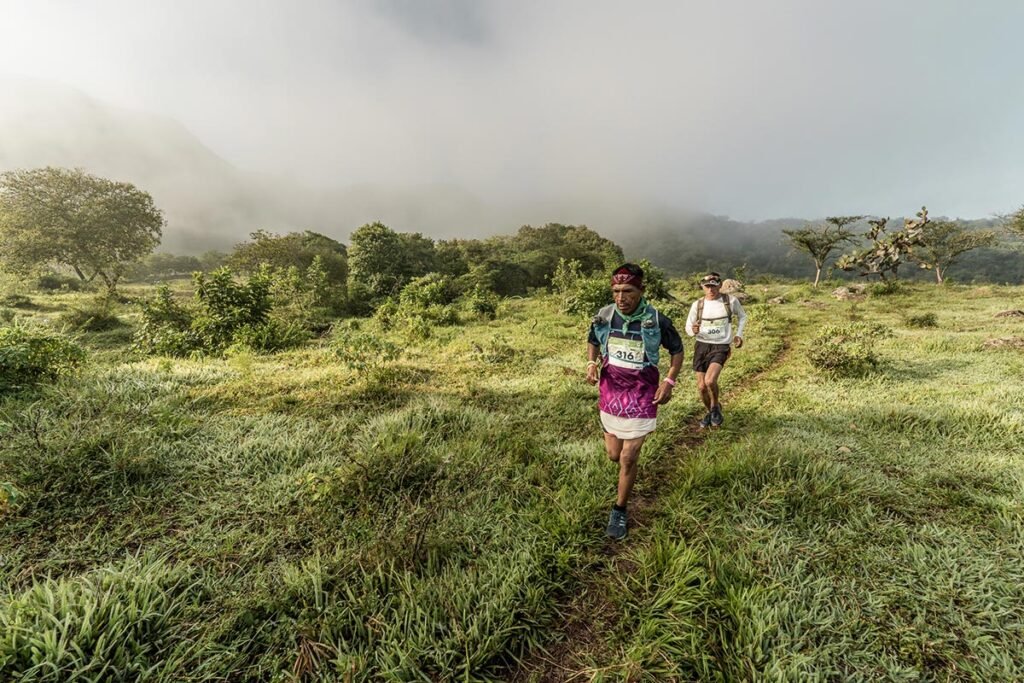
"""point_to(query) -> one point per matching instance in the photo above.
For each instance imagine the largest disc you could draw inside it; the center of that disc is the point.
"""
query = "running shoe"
(706, 422)
(716, 416)
(616, 525)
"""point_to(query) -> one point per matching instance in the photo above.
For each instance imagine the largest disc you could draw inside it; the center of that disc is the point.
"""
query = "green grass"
(285, 517)
(845, 529)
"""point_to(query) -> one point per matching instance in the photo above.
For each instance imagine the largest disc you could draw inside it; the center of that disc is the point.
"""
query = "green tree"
(375, 260)
(1015, 222)
(295, 249)
(819, 242)
(96, 227)
(419, 255)
(943, 242)
(887, 251)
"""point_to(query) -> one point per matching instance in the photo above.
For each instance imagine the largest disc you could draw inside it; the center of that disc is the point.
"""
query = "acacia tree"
(1015, 224)
(819, 242)
(95, 226)
(942, 243)
(887, 251)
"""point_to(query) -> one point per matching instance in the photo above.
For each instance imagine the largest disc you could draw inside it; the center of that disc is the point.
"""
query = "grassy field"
(440, 517)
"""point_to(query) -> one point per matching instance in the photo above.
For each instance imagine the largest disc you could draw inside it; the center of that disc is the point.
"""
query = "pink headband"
(624, 277)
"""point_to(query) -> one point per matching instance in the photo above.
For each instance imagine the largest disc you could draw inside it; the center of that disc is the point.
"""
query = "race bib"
(626, 353)
(714, 331)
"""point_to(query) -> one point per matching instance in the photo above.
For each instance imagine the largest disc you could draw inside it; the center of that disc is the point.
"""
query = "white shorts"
(628, 427)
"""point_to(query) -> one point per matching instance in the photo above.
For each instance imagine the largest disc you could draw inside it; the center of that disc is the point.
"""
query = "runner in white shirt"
(710, 321)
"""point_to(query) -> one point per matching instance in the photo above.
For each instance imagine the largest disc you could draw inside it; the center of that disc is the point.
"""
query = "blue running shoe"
(716, 416)
(616, 525)
(706, 422)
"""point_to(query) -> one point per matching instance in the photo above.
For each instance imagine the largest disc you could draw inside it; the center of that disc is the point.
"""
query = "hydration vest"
(650, 329)
(724, 298)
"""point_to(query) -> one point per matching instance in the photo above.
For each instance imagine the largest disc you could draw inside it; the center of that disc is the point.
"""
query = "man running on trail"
(623, 348)
(710, 320)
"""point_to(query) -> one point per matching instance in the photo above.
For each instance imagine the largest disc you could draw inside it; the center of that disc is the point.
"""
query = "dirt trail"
(589, 616)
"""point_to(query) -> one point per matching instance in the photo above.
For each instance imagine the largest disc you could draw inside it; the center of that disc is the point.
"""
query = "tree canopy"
(92, 225)
(943, 242)
(887, 250)
(295, 249)
(820, 241)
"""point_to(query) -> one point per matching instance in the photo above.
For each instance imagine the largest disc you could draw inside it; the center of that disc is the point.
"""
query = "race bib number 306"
(626, 353)
(713, 330)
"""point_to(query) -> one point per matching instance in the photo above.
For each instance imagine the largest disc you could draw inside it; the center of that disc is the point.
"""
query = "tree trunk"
(938, 274)
(79, 273)
(817, 275)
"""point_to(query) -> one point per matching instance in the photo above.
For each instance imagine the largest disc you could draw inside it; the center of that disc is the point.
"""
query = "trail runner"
(623, 349)
(710, 321)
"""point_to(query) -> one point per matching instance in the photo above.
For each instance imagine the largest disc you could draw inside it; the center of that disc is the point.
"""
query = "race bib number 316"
(626, 353)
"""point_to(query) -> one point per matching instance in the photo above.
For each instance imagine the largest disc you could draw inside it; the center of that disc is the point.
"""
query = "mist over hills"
(211, 204)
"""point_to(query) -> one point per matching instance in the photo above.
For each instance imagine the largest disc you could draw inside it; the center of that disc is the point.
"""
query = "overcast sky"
(751, 108)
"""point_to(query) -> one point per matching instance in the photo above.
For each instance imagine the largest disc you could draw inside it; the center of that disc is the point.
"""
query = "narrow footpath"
(589, 617)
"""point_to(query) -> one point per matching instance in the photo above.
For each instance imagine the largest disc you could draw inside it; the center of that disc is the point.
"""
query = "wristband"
(671, 382)
(592, 362)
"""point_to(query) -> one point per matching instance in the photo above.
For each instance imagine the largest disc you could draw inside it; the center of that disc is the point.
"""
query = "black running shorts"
(706, 354)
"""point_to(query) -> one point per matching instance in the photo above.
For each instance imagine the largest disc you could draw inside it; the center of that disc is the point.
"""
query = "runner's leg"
(703, 389)
(628, 460)
(613, 445)
(711, 381)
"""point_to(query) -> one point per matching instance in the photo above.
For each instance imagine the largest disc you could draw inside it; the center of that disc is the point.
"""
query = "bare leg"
(613, 445)
(711, 384)
(704, 390)
(630, 456)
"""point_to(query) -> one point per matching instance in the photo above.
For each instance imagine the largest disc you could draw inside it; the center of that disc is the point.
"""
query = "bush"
(362, 350)
(886, 288)
(579, 294)
(52, 282)
(31, 355)
(95, 316)
(433, 289)
(923, 320)
(846, 350)
(482, 302)
(224, 313)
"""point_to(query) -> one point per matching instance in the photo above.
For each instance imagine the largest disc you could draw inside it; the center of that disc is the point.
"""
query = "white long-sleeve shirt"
(716, 327)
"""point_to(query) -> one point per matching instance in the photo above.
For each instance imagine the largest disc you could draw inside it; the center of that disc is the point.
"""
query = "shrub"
(579, 294)
(886, 288)
(94, 316)
(845, 350)
(274, 335)
(31, 355)
(166, 327)
(433, 289)
(923, 320)
(362, 350)
(224, 313)
(52, 282)
(482, 302)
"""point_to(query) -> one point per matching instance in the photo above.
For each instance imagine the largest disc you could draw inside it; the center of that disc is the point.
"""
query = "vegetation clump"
(922, 320)
(846, 350)
(225, 312)
(30, 355)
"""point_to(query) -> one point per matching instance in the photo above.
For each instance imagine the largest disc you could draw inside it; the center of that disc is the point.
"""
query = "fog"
(467, 117)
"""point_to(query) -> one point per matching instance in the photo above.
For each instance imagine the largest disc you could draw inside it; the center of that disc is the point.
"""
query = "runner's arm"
(741, 317)
(691, 320)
